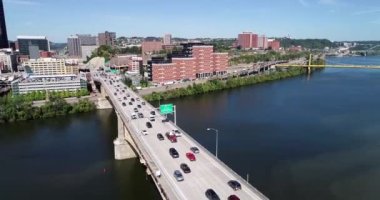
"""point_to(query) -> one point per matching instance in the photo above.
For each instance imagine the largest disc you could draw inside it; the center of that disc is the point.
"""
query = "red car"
(190, 156)
(171, 137)
(233, 197)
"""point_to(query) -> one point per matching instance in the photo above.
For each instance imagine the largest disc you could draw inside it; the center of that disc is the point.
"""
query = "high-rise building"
(34, 52)
(247, 40)
(262, 42)
(74, 46)
(3, 29)
(25, 41)
(87, 40)
(107, 38)
(167, 39)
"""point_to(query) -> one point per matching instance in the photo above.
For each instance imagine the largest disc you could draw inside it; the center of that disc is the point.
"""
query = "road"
(206, 172)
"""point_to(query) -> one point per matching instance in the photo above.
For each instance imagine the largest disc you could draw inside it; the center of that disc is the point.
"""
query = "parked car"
(144, 132)
(234, 185)
(171, 137)
(160, 136)
(190, 156)
(148, 124)
(173, 152)
(194, 149)
(233, 197)
(211, 195)
(178, 175)
(185, 168)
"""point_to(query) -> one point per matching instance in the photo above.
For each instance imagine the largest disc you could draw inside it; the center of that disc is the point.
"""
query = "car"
(130, 103)
(185, 168)
(177, 133)
(194, 149)
(125, 98)
(234, 185)
(123, 104)
(135, 109)
(172, 138)
(152, 119)
(143, 103)
(117, 90)
(190, 156)
(128, 95)
(133, 116)
(123, 91)
(139, 106)
(140, 115)
(165, 120)
(149, 125)
(178, 175)
(132, 99)
(233, 197)
(144, 132)
(137, 99)
(115, 94)
(160, 136)
(152, 112)
(173, 152)
(211, 195)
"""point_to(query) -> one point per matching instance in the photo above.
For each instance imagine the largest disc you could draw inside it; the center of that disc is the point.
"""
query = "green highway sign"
(166, 109)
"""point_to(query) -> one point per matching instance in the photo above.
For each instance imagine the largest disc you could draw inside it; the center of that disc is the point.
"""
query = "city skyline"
(337, 20)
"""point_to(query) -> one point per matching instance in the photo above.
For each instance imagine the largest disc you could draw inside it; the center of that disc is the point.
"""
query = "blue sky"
(332, 19)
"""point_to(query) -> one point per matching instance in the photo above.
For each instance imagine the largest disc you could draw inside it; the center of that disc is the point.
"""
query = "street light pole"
(217, 138)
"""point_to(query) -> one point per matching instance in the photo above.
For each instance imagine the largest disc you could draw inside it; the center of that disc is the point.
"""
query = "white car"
(144, 132)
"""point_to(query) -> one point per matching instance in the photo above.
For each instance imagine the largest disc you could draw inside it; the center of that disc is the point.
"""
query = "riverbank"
(215, 85)
(19, 108)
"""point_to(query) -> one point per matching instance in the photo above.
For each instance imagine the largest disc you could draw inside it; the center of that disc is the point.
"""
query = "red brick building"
(202, 63)
(274, 45)
(150, 47)
(248, 40)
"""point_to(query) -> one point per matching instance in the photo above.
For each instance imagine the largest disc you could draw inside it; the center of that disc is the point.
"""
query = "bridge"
(207, 171)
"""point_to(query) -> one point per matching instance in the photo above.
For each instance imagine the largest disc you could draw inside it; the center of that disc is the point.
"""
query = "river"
(308, 137)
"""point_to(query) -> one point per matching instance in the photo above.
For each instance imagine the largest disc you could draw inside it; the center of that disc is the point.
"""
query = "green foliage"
(130, 50)
(215, 85)
(270, 56)
(20, 108)
(307, 43)
(128, 81)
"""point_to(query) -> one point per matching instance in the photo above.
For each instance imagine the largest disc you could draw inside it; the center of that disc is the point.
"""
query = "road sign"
(166, 109)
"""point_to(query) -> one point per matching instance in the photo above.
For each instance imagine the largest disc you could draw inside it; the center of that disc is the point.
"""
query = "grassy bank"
(215, 85)
(19, 108)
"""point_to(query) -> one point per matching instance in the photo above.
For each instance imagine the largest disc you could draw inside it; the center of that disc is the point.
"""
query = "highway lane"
(206, 172)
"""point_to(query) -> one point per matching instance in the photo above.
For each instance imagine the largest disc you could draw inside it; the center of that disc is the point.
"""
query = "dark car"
(140, 115)
(135, 109)
(115, 93)
(152, 113)
(125, 98)
(160, 136)
(149, 125)
(234, 185)
(139, 106)
(185, 168)
(132, 99)
(233, 197)
(173, 153)
(123, 104)
(211, 195)
(130, 103)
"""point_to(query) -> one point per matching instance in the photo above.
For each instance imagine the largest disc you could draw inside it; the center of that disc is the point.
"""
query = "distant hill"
(57, 46)
(307, 43)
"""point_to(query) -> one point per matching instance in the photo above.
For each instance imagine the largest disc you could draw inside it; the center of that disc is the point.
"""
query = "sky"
(336, 20)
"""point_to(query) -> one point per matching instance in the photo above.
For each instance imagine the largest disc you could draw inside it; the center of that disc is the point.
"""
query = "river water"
(308, 137)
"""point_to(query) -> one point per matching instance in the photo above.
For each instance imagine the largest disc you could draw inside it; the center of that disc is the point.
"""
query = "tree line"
(41, 95)
(214, 85)
(270, 56)
(20, 108)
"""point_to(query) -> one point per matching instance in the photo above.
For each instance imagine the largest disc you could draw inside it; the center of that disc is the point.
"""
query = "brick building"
(248, 40)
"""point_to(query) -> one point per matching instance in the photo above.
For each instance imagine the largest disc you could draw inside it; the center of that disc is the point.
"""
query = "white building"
(8, 60)
(47, 66)
(69, 82)
(167, 39)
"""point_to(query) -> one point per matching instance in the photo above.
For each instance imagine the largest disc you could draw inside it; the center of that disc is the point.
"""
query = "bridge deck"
(206, 172)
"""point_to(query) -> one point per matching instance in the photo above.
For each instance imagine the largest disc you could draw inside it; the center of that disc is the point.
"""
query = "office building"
(74, 46)
(47, 66)
(87, 40)
(148, 48)
(34, 52)
(247, 40)
(3, 29)
(274, 44)
(32, 83)
(8, 61)
(167, 39)
(25, 41)
(107, 38)
(132, 63)
(194, 61)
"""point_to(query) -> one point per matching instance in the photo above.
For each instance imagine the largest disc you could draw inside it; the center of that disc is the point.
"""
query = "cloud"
(23, 2)
(303, 3)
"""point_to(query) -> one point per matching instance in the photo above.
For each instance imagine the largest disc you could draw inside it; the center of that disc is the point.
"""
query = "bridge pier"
(123, 148)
